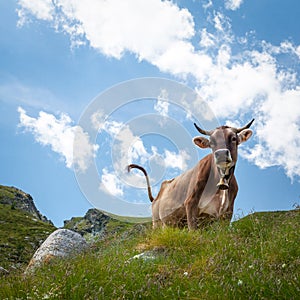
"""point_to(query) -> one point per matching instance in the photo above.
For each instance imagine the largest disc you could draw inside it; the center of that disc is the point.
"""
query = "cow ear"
(201, 142)
(244, 135)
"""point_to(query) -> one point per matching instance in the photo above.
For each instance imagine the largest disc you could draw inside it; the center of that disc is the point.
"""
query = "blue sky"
(60, 59)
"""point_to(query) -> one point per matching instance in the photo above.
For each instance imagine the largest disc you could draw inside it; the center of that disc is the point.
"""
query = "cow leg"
(191, 213)
(156, 224)
(191, 205)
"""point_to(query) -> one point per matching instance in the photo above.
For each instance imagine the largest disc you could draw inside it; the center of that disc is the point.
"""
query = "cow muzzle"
(223, 158)
(224, 162)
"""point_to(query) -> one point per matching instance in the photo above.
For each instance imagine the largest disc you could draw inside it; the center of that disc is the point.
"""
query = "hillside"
(96, 225)
(18, 199)
(257, 257)
(22, 228)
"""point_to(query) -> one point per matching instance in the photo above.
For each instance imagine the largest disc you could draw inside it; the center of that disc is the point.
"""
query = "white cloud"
(174, 160)
(127, 147)
(148, 28)
(110, 183)
(207, 39)
(42, 9)
(162, 105)
(233, 4)
(84, 151)
(255, 84)
(137, 151)
(97, 119)
(278, 133)
(58, 133)
(234, 82)
(285, 47)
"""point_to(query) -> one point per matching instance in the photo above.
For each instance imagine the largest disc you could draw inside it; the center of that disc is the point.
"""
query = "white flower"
(240, 282)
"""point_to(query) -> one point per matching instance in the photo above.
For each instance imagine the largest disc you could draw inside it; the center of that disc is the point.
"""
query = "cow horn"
(245, 127)
(205, 132)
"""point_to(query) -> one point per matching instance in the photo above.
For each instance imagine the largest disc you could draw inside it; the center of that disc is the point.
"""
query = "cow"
(205, 192)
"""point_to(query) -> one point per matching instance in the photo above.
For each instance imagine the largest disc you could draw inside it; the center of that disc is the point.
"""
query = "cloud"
(237, 76)
(162, 104)
(207, 39)
(58, 133)
(255, 84)
(233, 4)
(111, 184)
(174, 160)
(146, 28)
(278, 133)
(42, 9)
(85, 150)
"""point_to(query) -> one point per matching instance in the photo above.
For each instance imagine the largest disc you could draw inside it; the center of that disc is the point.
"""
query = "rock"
(91, 226)
(149, 255)
(17, 199)
(60, 243)
(3, 271)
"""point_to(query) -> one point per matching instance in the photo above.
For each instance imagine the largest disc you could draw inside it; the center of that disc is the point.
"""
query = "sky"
(87, 87)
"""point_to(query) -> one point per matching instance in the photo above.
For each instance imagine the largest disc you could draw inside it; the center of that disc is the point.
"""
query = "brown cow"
(206, 191)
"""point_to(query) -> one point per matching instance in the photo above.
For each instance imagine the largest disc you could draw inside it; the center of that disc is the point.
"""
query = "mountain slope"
(22, 228)
(18, 199)
(256, 257)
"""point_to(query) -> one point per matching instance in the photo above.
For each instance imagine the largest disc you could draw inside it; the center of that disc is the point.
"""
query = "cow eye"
(233, 139)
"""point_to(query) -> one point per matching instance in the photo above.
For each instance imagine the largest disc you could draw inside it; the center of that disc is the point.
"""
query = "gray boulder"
(61, 243)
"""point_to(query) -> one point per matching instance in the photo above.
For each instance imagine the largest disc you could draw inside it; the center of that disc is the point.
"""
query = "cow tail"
(134, 166)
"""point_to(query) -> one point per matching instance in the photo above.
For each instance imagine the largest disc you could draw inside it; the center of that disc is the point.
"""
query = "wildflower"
(283, 266)
(240, 282)
(185, 273)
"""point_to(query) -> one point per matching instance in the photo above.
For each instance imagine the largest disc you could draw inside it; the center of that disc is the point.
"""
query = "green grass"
(7, 194)
(20, 235)
(257, 257)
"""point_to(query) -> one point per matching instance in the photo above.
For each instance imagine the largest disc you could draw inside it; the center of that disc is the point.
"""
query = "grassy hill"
(20, 235)
(257, 257)
(22, 228)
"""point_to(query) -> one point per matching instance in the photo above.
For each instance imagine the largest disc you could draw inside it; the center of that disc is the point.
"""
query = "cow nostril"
(223, 154)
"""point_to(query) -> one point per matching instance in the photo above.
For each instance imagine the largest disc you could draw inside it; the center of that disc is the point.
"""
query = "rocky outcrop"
(17, 199)
(61, 243)
(91, 226)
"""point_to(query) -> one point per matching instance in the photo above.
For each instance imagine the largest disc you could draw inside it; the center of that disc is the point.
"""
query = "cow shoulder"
(204, 168)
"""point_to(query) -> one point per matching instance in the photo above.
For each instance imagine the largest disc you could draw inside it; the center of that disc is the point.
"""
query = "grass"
(257, 257)
(20, 235)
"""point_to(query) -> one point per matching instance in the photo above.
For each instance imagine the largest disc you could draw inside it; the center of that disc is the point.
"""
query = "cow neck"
(217, 174)
(230, 173)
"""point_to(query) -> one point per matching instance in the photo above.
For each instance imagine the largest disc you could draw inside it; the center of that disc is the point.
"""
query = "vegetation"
(20, 235)
(257, 257)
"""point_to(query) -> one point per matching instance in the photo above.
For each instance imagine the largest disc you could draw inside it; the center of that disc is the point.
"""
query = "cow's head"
(224, 141)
